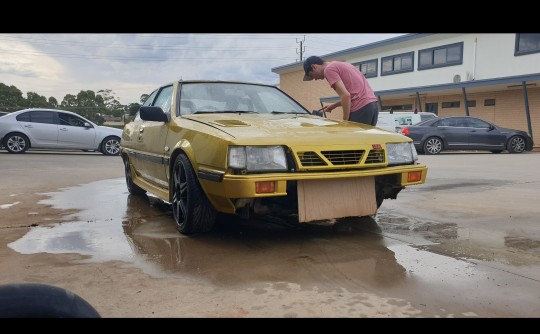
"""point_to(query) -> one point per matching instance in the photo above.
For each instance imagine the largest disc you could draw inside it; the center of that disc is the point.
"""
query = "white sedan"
(56, 129)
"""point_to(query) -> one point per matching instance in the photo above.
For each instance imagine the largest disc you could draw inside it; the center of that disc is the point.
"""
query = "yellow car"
(248, 149)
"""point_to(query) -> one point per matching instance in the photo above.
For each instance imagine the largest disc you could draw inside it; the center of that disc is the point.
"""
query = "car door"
(152, 136)
(41, 128)
(454, 132)
(485, 137)
(72, 132)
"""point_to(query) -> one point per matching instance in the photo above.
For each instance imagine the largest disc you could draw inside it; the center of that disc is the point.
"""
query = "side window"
(42, 116)
(164, 99)
(150, 99)
(70, 120)
(476, 123)
(25, 117)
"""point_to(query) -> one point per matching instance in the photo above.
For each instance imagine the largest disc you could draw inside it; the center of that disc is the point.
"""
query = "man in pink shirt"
(357, 99)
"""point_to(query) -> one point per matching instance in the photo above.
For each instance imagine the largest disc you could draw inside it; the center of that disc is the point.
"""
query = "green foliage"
(11, 98)
(132, 108)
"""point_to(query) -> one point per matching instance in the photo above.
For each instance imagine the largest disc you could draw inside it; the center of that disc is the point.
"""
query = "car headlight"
(258, 158)
(401, 153)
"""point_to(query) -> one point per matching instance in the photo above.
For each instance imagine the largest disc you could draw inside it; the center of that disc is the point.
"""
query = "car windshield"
(221, 97)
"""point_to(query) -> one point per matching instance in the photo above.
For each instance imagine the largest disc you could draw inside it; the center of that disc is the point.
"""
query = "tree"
(111, 103)
(132, 108)
(144, 97)
(34, 100)
(86, 104)
(11, 98)
(69, 101)
(53, 103)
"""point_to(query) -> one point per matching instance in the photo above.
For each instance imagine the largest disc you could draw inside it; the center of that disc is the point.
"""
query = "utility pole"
(302, 48)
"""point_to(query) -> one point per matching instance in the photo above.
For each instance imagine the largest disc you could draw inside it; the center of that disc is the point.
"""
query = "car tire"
(16, 143)
(192, 210)
(516, 144)
(110, 146)
(32, 300)
(132, 187)
(433, 145)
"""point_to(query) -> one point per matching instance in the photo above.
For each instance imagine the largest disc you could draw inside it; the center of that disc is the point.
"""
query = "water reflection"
(352, 251)
(140, 231)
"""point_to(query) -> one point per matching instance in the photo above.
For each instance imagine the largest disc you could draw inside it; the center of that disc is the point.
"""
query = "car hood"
(110, 130)
(300, 128)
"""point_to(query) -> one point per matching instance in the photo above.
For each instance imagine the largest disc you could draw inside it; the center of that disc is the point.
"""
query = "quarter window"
(441, 56)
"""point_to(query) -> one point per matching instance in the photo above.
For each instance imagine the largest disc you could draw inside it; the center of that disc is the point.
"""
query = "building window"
(441, 56)
(398, 107)
(432, 107)
(453, 104)
(368, 68)
(471, 103)
(397, 64)
(489, 102)
(527, 44)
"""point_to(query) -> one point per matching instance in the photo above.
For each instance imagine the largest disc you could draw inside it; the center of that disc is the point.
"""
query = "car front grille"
(354, 158)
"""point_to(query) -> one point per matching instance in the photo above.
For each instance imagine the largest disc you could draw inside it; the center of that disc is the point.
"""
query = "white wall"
(494, 59)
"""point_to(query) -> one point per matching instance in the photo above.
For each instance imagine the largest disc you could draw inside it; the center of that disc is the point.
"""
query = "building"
(495, 77)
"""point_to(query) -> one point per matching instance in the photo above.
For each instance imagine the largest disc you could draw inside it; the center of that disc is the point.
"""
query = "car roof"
(41, 109)
(222, 81)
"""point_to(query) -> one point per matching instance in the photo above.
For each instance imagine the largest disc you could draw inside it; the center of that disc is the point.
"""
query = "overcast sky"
(135, 64)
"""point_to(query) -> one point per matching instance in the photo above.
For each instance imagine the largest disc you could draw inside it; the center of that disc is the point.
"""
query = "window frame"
(411, 53)
(446, 64)
(450, 104)
(359, 66)
(517, 52)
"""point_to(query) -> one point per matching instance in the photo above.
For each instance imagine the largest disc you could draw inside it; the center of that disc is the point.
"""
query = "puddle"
(111, 225)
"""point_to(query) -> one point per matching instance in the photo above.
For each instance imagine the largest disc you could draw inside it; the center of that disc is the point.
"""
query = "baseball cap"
(307, 66)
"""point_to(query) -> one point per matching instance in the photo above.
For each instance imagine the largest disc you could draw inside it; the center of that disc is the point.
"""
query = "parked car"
(3, 113)
(466, 133)
(396, 120)
(56, 129)
(249, 149)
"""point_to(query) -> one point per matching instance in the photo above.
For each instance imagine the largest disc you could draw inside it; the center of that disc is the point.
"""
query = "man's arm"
(345, 97)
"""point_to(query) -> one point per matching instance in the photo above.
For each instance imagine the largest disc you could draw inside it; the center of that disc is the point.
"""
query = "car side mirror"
(87, 125)
(154, 114)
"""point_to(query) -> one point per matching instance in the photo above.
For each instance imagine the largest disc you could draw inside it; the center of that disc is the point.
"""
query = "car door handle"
(63, 129)
(28, 126)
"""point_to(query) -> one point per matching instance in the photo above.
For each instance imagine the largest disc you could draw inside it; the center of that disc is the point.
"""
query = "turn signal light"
(414, 176)
(265, 187)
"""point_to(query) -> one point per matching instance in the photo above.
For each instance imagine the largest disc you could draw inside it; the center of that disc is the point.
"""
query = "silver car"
(56, 129)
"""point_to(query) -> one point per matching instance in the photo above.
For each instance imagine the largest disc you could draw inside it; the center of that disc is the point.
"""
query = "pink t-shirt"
(354, 81)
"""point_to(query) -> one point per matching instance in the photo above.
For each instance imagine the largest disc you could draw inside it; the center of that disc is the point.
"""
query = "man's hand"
(329, 108)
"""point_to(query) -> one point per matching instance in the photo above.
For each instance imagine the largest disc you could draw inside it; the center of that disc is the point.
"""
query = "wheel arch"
(22, 134)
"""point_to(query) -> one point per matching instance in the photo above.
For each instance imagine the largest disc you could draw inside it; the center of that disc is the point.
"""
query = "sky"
(130, 65)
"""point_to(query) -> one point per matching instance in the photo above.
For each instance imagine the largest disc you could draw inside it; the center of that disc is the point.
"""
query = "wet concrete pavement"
(465, 244)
